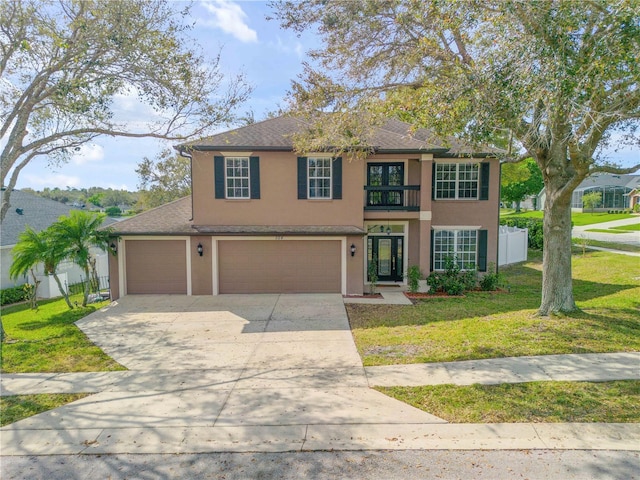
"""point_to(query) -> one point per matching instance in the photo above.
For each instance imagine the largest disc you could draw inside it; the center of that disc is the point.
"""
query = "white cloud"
(38, 182)
(230, 18)
(295, 48)
(89, 153)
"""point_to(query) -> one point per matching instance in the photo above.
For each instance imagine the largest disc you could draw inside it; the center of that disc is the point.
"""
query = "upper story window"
(237, 177)
(456, 180)
(319, 177)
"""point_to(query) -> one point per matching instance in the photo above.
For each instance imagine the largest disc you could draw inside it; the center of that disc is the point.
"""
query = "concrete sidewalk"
(269, 373)
(630, 238)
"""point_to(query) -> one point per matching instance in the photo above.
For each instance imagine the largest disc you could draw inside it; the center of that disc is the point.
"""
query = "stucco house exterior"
(263, 219)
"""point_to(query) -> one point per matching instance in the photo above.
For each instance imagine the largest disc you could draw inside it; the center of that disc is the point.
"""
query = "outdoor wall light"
(200, 249)
(113, 247)
(353, 249)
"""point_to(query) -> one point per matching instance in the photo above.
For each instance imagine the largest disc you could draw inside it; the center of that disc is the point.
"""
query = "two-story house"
(262, 219)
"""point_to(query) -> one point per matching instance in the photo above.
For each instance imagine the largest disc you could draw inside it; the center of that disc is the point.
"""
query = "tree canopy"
(65, 63)
(164, 179)
(519, 180)
(559, 78)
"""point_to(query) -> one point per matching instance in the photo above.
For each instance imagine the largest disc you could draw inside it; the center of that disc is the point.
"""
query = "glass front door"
(386, 254)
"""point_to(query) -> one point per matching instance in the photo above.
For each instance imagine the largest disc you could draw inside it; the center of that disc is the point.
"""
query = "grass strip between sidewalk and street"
(624, 247)
(579, 219)
(534, 402)
(17, 407)
(503, 324)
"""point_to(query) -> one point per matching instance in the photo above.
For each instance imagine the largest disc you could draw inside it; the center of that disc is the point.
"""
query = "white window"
(237, 175)
(460, 245)
(457, 180)
(319, 177)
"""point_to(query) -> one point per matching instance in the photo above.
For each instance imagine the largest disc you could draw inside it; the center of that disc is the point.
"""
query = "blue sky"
(270, 58)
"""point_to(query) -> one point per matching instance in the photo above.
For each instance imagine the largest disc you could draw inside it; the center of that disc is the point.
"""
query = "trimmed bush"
(534, 225)
(13, 295)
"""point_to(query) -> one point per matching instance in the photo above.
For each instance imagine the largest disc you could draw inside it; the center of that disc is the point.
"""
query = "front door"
(385, 254)
(385, 176)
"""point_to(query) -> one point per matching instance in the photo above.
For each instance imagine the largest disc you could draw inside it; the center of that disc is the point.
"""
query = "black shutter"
(433, 181)
(337, 179)
(484, 180)
(302, 178)
(482, 250)
(218, 176)
(254, 172)
(431, 251)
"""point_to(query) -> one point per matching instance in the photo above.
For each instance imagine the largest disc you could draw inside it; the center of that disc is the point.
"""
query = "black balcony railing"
(397, 197)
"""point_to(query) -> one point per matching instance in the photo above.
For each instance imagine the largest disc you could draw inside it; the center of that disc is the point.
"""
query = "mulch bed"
(366, 295)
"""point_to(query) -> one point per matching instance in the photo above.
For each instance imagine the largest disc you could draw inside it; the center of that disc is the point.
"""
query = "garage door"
(288, 266)
(156, 266)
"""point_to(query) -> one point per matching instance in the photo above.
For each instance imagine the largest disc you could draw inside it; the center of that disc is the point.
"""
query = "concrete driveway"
(225, 373)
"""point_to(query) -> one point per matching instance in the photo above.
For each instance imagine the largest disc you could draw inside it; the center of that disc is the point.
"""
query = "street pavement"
(271, 374)
(631, 238)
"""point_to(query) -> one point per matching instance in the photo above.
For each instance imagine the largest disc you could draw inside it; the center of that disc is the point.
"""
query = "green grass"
(493, 325)
(17, 407)
(625, 247)
(578, 219)
(605, 230)
(579, 402)
(46, 340)
(635, 227)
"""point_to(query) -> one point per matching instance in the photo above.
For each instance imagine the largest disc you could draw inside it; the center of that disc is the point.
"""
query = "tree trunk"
(64, 293)
(87, 285)
(557, 286)
(518, 206)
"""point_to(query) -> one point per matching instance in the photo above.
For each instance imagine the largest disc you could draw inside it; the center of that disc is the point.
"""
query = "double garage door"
(244, 266)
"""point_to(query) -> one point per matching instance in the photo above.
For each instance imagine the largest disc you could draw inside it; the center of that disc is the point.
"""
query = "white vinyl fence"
(512, 245)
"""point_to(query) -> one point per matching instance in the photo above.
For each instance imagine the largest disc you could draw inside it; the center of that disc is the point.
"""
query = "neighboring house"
(616, 191)
(263, 219)
(38, 213)
(634, 198)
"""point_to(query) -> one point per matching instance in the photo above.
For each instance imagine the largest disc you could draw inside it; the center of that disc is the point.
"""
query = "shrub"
(13, 295)
(413, 277)
(491, 280)
(453, 280)
(534, 225)
(636, 208)
(372, 274)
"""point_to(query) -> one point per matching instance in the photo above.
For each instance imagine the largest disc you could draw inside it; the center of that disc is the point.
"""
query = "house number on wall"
(279, 237)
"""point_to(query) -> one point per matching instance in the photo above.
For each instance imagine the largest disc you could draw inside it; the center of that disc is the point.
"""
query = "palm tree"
(34, 248)
(78, 233)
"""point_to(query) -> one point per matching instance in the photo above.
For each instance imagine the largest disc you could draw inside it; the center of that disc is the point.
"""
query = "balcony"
(405, 198)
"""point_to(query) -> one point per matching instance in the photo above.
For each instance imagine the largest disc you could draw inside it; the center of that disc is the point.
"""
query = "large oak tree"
(560, 78)
(64, 64)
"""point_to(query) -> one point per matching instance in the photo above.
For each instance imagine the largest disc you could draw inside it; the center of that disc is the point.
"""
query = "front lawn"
(579, 219)
(46, 340)
(492, 325)
(579, 402)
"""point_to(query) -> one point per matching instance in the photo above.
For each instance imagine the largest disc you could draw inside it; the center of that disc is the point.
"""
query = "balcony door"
(386, 176)
(387, 254)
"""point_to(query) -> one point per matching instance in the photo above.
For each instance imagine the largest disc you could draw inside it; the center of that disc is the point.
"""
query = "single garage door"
(156, 266)
(279, 266)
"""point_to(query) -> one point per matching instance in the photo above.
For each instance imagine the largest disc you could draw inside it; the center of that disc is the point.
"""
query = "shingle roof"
(171, 218)
(276, 134)
(37, 212)
(280, 229)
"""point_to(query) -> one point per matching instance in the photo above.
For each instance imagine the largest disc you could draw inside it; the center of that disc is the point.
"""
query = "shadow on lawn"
(524, 294)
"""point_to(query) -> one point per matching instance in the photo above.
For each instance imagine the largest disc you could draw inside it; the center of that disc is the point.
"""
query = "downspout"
(183, 153)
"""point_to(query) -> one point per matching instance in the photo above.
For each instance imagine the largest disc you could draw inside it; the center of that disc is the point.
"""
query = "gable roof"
(276, 134)
(37, 212)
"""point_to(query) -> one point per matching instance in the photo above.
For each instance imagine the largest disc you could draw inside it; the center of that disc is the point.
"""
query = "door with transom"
(386, 254)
